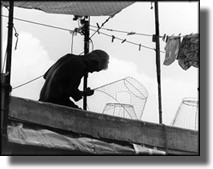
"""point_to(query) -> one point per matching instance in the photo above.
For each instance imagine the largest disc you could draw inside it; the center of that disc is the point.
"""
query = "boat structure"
(30, 127)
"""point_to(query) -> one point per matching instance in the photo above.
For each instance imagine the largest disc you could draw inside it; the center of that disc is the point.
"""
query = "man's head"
(101, 58)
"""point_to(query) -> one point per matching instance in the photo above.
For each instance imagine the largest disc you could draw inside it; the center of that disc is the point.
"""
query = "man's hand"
(88, 92)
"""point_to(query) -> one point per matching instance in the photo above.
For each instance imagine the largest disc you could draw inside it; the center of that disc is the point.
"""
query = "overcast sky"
(39, 47)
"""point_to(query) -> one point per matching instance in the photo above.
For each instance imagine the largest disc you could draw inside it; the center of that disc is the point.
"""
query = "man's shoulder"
(74, 62)
(67, 57)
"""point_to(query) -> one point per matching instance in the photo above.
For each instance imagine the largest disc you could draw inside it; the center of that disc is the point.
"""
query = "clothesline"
(76, 30)
(72, 31)
(136, 33)
(108, 29)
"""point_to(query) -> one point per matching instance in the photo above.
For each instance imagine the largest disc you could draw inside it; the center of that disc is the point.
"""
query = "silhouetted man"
(63, 78)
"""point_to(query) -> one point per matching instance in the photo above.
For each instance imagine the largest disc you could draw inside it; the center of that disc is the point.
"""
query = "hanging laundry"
(171, 48)
(189, 52)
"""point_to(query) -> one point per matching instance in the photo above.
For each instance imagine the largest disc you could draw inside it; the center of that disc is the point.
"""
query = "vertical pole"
(1, 65)
(158, 60)
(5, 81)
(86, 51)
(10, 40)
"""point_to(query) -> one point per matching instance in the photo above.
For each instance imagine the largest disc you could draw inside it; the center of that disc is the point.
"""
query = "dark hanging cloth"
(189, 52)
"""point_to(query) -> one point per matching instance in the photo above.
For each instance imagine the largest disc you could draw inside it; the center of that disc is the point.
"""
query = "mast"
(5, 78)
(158, 60)
(86, 51)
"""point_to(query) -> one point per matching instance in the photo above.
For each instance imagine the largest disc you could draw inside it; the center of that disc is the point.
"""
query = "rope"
(41, 24)
(27, 82)
(126, 32)
(95, 31)
(124, 40)
(99, 27)
(72, 42)
(16, 35)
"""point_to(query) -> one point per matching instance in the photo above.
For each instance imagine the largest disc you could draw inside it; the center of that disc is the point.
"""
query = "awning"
(83, 8)
(69, 142)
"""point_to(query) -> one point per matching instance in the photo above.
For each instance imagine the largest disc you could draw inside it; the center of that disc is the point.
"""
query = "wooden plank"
(104, 126)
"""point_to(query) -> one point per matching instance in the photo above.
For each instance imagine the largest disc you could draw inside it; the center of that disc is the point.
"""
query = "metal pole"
(158, 60)
(86, 51)
(5, 81)
(1, 65)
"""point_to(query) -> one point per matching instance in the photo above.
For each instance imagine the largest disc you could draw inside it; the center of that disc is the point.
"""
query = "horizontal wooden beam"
(104, 126)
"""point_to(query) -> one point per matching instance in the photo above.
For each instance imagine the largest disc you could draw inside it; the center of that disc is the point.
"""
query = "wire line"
(41, 24)
(129, 33)
(27, 82)
(127, 41)
(98, 30)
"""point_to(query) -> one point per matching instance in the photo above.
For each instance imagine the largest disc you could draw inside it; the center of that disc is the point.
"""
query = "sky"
(39, 47)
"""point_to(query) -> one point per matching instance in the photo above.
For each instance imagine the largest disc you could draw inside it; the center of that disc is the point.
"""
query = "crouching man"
(63, 78)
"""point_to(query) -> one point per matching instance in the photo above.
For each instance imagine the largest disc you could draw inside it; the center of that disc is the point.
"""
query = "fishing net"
(187, 114)
(124, 98)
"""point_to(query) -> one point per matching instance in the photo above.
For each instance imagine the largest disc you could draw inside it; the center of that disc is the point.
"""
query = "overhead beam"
(104, 126)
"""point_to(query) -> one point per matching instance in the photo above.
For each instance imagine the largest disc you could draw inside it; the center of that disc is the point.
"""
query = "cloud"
(29, 61)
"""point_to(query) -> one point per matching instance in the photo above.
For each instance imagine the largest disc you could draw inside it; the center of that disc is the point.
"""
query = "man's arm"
(73, 90)
(75, 93)
(75, 72)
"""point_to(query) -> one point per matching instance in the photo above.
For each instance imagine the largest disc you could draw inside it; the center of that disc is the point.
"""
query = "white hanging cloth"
(172, 49)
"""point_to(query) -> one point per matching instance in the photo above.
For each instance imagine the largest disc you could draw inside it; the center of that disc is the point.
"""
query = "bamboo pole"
(5, 80)
(86, 51)
(158, 61)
